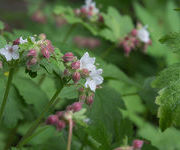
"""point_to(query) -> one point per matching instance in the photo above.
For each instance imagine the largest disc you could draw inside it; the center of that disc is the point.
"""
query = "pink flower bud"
(81, 89)
(137, 144)
(101, 19)
(82, 97)
(60, 113)
(33, 61)
(90, 100)
(42, 36)
(134, 32)
(83, 10)
(45, 52)
(66, 72)
(85, 72)
(69, 108)
(16, 42)
(68, 57)
(77, 106)
(60, 125)
(76, 77)
(49, 46)
(77, 12)
(75, 65)
(90, 13)
(32, 52)
(52, 120)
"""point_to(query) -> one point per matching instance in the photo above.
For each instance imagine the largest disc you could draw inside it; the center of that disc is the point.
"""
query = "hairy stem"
(38, 120)
(8, 85)
(70, 134)
(69, 33)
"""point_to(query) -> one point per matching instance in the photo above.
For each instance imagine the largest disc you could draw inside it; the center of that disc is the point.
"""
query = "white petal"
(22, 41)
(15, 55)
(15, 48)
(143, 35)
(8, 56)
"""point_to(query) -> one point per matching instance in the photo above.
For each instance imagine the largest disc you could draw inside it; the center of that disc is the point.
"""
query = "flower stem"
(69, 33)
(70, 134)
(38, 120)
(8, 85)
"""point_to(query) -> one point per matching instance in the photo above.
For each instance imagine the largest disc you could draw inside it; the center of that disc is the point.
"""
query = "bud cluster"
(86, 42)
(137, 38)
(86, 96)
(73, 70)
(41, 49)
(60, 118)
(89, 11)
(137, 145)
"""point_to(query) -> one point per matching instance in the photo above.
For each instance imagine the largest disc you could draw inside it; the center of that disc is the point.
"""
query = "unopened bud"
(134, 32)
(60, 125)
(68, 57)
(66, 72)
(52, 120)
(90, 100)
(60, 113)
(77, 106)
(42, 36)
(32, 52)
(16, 42)
(76, 77)
(85, 72)
(75, 65)
(137, 144)
(82, 97)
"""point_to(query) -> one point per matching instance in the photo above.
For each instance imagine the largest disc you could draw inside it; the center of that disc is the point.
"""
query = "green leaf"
(118, 26)
(172, 40)
(168, 100)
(31, 93)
(12, 111)
(2, 41)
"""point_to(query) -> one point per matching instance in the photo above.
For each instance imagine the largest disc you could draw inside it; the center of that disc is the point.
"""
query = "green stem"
(8, 85)
(69, 33)
(70, 134)
(38, 120)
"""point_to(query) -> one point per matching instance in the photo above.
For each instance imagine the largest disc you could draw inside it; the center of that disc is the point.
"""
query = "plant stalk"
(70, 134)
(38, 120)
(8, 85)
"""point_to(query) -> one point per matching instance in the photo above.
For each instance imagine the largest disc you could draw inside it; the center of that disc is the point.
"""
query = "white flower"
(22, 41)
(94, 79)
(90, 6)
(10, 52)
(87, 62)
(143, 35)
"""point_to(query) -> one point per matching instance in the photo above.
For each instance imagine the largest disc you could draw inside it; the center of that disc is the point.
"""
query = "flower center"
(10, 50)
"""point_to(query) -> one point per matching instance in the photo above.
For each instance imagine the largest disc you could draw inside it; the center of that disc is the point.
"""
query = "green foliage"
(32, 94)
(168, 99)
(172, 40)
(118, 26)
(2, 41)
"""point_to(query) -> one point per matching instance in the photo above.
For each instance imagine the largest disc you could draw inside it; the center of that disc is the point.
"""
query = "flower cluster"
(137, 38)
(137, 145)
(83, 68)
(33, 52)
(86, 42)
(89, 11)
(60, 118)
